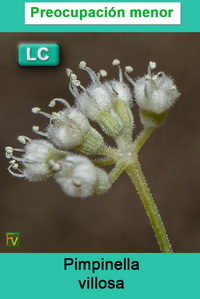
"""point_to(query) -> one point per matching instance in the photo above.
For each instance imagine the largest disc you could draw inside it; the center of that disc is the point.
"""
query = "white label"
(102, 13)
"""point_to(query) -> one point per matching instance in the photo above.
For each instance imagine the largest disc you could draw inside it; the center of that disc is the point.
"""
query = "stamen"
(117, 63)
(36, 130)
(73, 89)
(76, 82)
(37, 110)
(151, 66)
(69, 72)
(9, 152)
(129, 69)
(9, 149)
(103, 73)
(73, 77)
(55, 115)
(23, 139)
(64, 102)
(15, 166)
(82, 64)
(92, 74)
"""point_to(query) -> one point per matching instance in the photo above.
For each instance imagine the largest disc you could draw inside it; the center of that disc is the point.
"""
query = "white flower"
(77, 176)
(155, 92)
(95, 98)
(66, 128)
(119, 89)
(95, 101)
(69, 129)
(34, 159)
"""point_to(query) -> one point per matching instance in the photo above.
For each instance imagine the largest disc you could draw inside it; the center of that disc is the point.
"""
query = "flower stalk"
(137, 177)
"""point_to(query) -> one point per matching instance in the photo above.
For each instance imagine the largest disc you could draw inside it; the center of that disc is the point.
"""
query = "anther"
(73, 77)
(152, 65)
(9, 149)
(76, 82)
(103, 73)
(8, 155)
(69, 72)
(53, 102)
(117, 63)
(128, 69)
(82, 64)
(92, 74)
(15, 167)
(55, 115)
(36, 130)
(23, 139)
(37, 110)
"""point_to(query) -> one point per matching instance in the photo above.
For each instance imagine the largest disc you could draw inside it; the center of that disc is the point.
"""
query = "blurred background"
(47, 219)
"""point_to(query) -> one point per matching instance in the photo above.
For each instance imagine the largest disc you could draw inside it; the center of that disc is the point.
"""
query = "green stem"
(116, 171)
(108, 151)
(142, 137)
(135, 173)
(104, 161)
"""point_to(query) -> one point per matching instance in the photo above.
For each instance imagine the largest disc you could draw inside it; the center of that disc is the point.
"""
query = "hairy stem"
(104, 161)
(142, 138)
(108, 152)
(116, 171)
(135, 173)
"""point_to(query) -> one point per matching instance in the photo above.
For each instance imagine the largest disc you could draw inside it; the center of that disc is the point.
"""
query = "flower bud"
(78, 177)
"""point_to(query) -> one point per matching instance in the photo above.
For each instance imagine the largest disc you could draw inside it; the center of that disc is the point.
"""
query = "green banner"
(46, 276)
(13, 19)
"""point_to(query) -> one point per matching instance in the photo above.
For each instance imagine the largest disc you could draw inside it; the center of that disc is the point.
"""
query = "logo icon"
(12, 239)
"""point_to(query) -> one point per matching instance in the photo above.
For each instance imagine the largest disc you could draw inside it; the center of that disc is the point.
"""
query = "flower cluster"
(69, 135)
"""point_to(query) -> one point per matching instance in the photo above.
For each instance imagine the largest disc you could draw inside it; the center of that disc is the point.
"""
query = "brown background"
(48, 220)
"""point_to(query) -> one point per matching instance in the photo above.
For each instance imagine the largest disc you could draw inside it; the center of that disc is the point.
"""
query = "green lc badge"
(38, 55)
